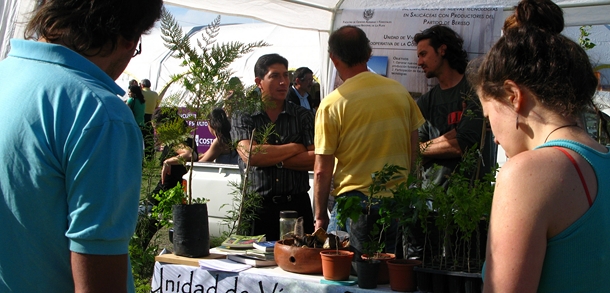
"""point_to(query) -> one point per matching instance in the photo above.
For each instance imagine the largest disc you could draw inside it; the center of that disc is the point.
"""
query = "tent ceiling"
(319, 14)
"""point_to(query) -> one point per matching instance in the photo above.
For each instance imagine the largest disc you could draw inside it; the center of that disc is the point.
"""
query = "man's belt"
(280, 199)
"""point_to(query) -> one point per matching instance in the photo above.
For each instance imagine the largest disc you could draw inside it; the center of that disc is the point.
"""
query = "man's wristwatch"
(280, 164)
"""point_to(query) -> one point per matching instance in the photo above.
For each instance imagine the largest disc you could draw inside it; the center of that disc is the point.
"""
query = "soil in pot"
(191, 230)
(336, 264)
(402, 277)
(367, 273)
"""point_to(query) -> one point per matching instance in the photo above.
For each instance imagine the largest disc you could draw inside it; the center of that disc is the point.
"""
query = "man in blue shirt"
(71, 151)
(298, 93)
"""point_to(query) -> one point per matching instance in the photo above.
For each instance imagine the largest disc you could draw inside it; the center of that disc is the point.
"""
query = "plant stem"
(245, 179)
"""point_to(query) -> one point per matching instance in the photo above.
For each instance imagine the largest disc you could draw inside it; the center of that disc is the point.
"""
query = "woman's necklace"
(560, 127)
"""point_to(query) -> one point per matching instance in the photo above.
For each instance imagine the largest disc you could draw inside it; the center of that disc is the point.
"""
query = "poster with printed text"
(391, 33)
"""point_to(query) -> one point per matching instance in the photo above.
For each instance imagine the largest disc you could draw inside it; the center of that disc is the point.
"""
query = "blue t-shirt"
(70, 166)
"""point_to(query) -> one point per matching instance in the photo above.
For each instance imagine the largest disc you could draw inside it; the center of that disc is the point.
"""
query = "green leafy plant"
(351, 209)
(141, 252)
(404, 206)
(454, 217)
(583, 39)
(167, 199)
(207, 72)
(245, 200)
(458, 214)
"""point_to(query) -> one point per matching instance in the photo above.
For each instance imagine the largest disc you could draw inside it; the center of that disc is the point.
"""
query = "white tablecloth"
(170, 278)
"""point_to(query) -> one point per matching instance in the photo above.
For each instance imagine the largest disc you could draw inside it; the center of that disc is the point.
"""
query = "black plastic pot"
(191, 230)
(437, 281)
(367, 273)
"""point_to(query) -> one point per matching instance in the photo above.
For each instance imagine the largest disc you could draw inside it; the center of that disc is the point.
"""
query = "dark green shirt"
(455, 108)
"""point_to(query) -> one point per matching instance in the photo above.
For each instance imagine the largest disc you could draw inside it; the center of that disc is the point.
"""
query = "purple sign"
(203, 136)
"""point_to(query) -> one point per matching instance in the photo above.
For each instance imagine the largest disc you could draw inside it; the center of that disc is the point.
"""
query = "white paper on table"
(223, 265)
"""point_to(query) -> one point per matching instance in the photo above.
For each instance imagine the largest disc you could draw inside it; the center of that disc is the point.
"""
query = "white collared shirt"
(303, 99)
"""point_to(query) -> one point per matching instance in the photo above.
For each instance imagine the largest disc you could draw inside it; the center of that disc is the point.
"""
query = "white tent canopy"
(319, 14)
(315, 15)
(300, 48)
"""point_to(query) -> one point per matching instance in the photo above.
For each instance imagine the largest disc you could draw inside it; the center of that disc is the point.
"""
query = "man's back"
(63, 120)
(152, 100)
(366, 123)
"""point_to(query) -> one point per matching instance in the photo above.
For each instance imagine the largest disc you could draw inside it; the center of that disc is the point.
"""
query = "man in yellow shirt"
(370, 120)
(152, 102)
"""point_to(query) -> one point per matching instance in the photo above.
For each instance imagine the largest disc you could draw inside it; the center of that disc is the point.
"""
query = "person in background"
(132, 82)
(71, 163)
(136, 103)
(550, 215)
(279, 170)
(454, 120)
(172, 161)
(366, 103)
(220, 150)
(152, 102)
(298, 93)
(173, 156)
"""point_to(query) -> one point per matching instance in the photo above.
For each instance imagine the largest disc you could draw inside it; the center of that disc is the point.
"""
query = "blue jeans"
(358, 237)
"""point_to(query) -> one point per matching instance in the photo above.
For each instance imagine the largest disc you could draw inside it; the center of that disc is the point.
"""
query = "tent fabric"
(13, 17)
(300, 48)
(319, 14)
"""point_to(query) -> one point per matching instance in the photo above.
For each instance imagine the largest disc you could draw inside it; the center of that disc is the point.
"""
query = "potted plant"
(365, 216)
(404, 207)
(454, 222)
(205, 83)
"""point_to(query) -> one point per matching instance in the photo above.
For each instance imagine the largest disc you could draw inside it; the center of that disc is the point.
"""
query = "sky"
(189, 17)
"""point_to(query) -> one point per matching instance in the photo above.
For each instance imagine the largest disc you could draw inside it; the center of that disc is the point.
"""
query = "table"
(172, 277)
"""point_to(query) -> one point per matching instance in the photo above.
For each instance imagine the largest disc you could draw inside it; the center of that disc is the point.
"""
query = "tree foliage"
(207, 74)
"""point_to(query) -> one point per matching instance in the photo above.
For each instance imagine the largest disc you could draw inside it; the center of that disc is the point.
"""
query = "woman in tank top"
(550, 218)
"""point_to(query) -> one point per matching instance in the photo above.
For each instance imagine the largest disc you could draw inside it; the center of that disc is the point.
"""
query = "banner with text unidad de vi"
(391, 33)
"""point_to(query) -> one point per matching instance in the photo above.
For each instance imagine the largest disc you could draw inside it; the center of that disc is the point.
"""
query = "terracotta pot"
(336, 265)
(302, 260)
(402, 278)
(383, 277)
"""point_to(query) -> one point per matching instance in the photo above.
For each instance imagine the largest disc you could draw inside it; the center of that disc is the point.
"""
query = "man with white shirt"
(298, 93)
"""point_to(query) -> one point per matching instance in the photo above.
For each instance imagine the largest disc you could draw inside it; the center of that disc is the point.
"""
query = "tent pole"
(310, 5)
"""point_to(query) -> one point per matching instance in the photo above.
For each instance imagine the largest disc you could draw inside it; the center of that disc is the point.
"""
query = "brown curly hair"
(85, 25)
(440, 35)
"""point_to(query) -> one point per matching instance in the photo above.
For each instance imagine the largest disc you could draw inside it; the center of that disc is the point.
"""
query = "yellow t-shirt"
(152, 100)
(366, 123)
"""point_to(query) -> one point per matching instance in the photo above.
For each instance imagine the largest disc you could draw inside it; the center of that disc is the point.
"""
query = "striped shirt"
(293, 125)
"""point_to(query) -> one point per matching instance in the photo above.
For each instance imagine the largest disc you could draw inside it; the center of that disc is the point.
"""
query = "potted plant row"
(370, 263)
(453, 224)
